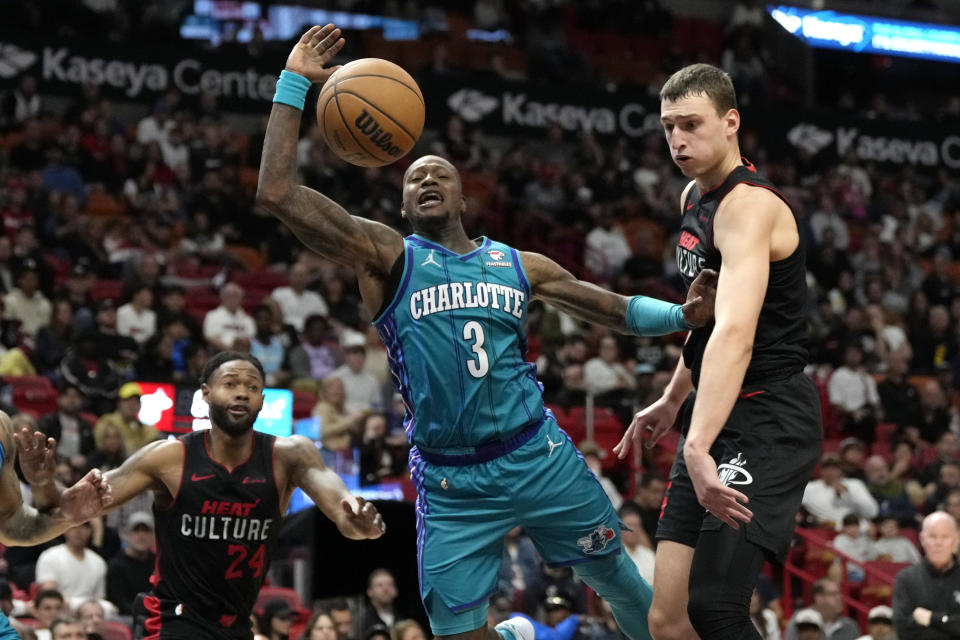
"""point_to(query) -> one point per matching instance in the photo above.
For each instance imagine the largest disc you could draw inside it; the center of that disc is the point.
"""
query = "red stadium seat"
(877, 590)
(116, 630)
(303, 403)
(107, 289)
(283, 593)
(885, 431)
(263, 280)
(35, 400)
(883, 449)
(202, 299)
(559, 413)
(32, 382)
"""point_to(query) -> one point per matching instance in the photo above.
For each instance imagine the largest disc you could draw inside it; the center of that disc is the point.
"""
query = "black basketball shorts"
(767, 450)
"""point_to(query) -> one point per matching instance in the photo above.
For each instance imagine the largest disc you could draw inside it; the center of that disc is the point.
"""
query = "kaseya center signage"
(517, 108)
(827, 139)
(241, 82)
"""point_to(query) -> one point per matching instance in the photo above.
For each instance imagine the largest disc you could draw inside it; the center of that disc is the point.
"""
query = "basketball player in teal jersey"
(487, 456)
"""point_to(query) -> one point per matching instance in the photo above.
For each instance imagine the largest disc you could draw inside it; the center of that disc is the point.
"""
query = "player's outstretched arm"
(23, 525)
(158, 465)
(355, 518)
(639, 315)
(320, 223)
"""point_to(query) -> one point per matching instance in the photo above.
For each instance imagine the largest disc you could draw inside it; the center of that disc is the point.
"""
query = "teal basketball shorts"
(465, 508)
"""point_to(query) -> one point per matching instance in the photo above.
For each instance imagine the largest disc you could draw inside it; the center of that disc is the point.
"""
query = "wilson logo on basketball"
(369, 127)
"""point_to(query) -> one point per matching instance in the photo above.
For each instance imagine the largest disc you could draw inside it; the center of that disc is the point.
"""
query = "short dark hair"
(223, 357)
(700, 78)
(47, 593)
(338, 604)
(629, 508)
(64, 385)
(851, 519)
(314, 318)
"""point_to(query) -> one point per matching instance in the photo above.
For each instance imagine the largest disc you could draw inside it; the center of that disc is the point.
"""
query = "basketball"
(370, 112)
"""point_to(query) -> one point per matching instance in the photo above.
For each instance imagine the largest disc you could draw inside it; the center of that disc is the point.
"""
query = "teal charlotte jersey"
(457, 345)
(487, 456)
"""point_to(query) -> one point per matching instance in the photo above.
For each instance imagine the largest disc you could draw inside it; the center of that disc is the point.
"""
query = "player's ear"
(732, 121)
(463, 204)
(403, 210)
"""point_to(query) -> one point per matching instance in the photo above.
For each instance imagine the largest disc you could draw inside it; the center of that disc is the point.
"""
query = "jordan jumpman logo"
(430, 260)
(553, 445)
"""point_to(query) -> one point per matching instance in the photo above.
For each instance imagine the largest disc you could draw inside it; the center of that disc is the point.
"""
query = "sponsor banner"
(517, 108)
(828, 138)
(189, 411)
(241, 83)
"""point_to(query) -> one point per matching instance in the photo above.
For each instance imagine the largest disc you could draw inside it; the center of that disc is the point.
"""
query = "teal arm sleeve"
(652, 317)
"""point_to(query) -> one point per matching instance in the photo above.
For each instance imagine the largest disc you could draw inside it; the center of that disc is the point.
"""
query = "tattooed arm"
(584, 300)
(368, 247)
(21, 524)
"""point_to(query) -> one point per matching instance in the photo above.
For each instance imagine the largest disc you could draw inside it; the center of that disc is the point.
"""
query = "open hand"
(87, 498)
(37, 456)
(698, 309)
(314, 51)
(364, 518)
(651, 423)
(722, 501)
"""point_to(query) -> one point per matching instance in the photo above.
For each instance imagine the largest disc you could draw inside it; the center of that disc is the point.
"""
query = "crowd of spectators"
(131, 250)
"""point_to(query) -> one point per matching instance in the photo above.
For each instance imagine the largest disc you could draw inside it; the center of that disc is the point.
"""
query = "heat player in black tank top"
(220, 495)
(230, 519)
(772, 438)
(752, 431)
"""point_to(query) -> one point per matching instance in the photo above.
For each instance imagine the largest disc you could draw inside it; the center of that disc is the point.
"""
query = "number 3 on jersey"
(478, 368)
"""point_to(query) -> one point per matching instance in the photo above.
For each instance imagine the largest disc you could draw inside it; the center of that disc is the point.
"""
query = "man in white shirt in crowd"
(77, 572)
(223, 325)
(363, 391)
(833, 496)
(137, 319)
(605, 372)
(853, 394)
(26, 302)
(296, 301)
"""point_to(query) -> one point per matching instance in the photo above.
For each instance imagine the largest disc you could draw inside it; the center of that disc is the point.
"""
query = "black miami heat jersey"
(216, 539)
(780, 343)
